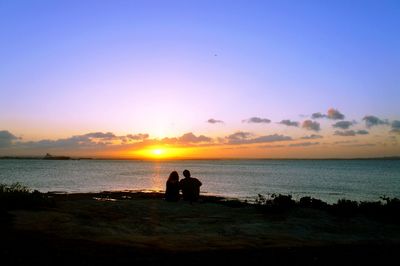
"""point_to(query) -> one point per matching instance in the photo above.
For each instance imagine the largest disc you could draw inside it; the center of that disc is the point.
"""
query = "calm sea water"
(325, 179)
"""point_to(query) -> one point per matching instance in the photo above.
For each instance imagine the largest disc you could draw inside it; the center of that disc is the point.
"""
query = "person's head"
(173, 176)
(186, 173)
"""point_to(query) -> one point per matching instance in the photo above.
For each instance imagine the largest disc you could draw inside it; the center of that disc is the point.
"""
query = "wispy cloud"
(317, 115)
(99, 135)
(362, 132)
(311, 125)
(257, 120)
(343, 124)
(271, 146)
(312, 136)
(303, 144)
(349, 133)
(214, 121)
(289, 123)
(240, 135)
(246, 138)
(345, 141)
(371, 121)
(361, 145)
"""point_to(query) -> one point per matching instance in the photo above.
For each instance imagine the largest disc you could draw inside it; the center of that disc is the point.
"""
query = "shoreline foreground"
(113, 228)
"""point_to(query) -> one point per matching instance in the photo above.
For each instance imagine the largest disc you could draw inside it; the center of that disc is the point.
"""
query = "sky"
(200, 79)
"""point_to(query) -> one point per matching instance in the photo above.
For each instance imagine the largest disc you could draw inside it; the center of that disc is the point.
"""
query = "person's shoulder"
(197, 180)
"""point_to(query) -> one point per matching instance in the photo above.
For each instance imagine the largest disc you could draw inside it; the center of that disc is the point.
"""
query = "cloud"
(362, 132)
(6, 138)
(317, 115)
(312, 136)
(332, 113)
(271, 146)
(91, 140)
(192, 138)
(236, 148)
(289, 123)
(246, 138)
(271, 138)
(346, 133)
(240, 135)
(345, 141)
(303, 144)
(100, 135)
(371, 121)
(335, 114)
(102, 141)
(311, 125)
(343, 124)
(187, 139)
(395, 126)
(361, 145)
(137, 136)
(349, 133)
(256, 120)
(214, 121)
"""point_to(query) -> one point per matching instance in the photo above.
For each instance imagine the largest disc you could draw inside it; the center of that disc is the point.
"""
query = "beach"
(125, 227)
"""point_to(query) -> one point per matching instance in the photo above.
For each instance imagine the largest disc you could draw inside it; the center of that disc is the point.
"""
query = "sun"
(159, 152)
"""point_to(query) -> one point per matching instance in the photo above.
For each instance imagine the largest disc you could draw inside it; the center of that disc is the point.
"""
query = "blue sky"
(164, 68)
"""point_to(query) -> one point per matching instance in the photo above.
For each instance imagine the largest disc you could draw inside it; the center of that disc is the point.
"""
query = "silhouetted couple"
(189, 186)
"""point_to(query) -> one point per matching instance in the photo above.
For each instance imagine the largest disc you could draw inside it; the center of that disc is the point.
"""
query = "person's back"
(190, 187)
(172, 187)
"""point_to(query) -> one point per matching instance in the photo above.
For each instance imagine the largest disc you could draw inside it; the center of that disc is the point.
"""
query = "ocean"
(328, 180)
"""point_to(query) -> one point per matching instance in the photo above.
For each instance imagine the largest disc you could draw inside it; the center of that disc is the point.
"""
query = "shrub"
(17, 196)
(309, 202)
(275, 202)
(283, 201)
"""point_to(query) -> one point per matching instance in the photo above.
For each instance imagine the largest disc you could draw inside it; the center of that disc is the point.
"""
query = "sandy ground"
(148, 223)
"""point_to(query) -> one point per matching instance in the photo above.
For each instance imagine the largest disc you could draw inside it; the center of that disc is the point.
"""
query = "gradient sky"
(71, 70)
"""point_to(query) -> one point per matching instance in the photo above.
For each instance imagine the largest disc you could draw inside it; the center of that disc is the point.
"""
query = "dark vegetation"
(17, 196)
(387, 208)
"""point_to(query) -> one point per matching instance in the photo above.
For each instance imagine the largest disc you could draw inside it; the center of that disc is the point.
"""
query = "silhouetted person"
(172, 190)
(190, 187)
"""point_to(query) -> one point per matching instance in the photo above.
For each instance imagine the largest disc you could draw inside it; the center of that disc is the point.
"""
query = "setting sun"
(160, 152)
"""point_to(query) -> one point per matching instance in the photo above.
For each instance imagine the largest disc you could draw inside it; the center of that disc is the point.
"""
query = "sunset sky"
(200, 79)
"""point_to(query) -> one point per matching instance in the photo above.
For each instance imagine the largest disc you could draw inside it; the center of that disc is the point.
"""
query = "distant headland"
(48, 156)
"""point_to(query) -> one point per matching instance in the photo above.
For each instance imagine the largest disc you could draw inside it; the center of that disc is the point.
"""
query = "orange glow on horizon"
(160, 152)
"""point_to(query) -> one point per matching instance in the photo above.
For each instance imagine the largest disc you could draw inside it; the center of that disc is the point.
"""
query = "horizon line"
(39, 157)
